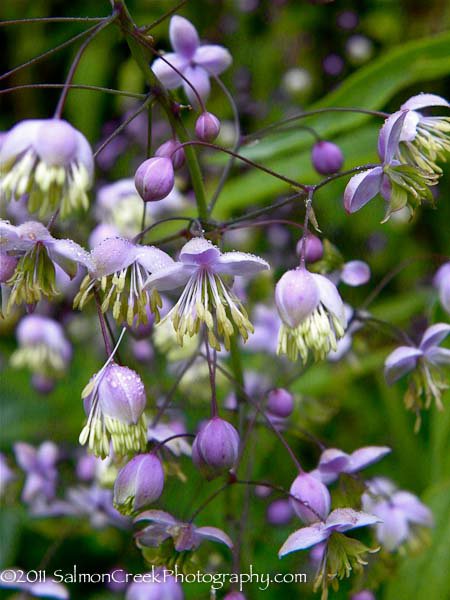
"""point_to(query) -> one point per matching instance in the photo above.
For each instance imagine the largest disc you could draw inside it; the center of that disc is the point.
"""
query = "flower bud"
(139, 483)
(154, 179)
(42, 384)
(280, 512)
(280, 403)
(215, 448)
(312, 493)
(327, 158)
(296, 296)
(169, 150)
(207, 127)
(313, 250)
(8, 265)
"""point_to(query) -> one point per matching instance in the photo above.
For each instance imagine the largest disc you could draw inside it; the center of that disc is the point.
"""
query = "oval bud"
(139, 483)
(313, 494)
(207, 127)
(280, 403)
(42, 384)
(215, 448)
(155, 178)
(8, 265)
(327, 158)
(296, 296)
(169, 150)
(280, 512)
(313, 250)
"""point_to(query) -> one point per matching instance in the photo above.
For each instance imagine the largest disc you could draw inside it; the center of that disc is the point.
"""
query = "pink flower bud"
(296, 296)
(280, 403)
(313, 250)
(207, 127)
(313, 494)
(154, 179)
(139, 483)
(327, 158)
(169, 150)
(216, 447)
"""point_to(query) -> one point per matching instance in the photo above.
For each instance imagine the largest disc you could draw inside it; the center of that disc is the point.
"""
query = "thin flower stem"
(212, 377)
(51, 20)
(144, 231)
(76, 61)
(263, 211)
(165, 16)
(101, 318)
(308, 207)
(172, 437)
(343, 174)
(40, 57)
(73, 86)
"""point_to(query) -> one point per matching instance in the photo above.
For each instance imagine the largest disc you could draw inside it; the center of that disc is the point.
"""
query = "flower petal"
(214, 59)
(330, 298)
(423, 100)
(333, 460)
(343, 519)
(156, 516)
(399, 362)
(48, 589)
(170, 278)
(25, 455)
(362, 188)
(355, 272)
(112, 255)
(18, 139)
(438, 356)
(199, 251)
(304, 538)
(183, 36)
(414, 510)
(240, 263)
(433, 336)
(389, 136)
(363, 457)
(199, 79)
(214, 534)
(393, 529)
(68, 255)
(164, 71)
(153, 259)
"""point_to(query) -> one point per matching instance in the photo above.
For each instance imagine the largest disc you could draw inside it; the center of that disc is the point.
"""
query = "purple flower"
(312, 312)
(441, 281)
(280, 403)
(155, 178)
(197, 63)
(216, 448)
(114, 402)
(40, 470)
(313, 250)
(51, 162)
(424, 360)
(186, 536)
(139, 483)
(171, 149)
(207, 127)
(355, 273)
(333, 462)
(280, 512)
(38, 252)
(326, 157)
(339, 520)
(39, 589)
(43, 346)
(158, 585)
(313, 499)
(399, 512)
(118, 270)
(205, 298)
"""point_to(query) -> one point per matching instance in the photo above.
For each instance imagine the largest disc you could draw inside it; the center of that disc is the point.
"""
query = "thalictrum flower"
(38, 253)
(197, 63)
(139, 483)
(205, 298)
(40, 470)
(333, 461)
(50, 161)
(441, 281)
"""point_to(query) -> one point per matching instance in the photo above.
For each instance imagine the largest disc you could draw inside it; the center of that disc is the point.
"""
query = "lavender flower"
(280, 512)
(43, 346)
(280, 403)
(401, 514)
(313, 498)
(139, 483)
(155, 178)
(38, 589)
(424, 361)
(327, 158)
(206, 298)
(197, 63)
(40, 470)
(186, 536)
(333, 462)
(441, 281)
(157, 585)
(207, 127)
(51, 162)
(312, 313)
(118, 270)
(216, 447)
(114, 402)
(363, 595)
(38, 252)
(172, 149)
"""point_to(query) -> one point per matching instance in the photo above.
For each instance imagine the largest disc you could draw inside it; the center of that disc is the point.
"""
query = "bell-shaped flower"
(441, 281)
(185, 536)
(39, 466)
(205, 298)
(196, 62)
(312, 312)
(43, 346)
(333, 462)
(118, 270)
(114, 403)
(38, 253)
(51, 162)
(339, 520)
(424, 362)
(401, 514)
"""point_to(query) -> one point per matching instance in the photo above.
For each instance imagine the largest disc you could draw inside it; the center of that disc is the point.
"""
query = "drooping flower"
(441, 281)
(402, 515)
(114, 403)
(51, 162)
(118, 270)
(215, 448)
(196, 62)
(139, 483)
(38, 252)
(43, 346)
(333, 461)
(424, 362)
(40, 470)
(205, 298)
(312, 312)
(185, 536)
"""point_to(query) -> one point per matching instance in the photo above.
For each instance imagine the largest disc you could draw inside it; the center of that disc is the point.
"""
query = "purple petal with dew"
(363, 457)
(199, 251)
(423, 100)
(399, 362)
(19, 139)
(355, 272)
(414, 510)
(333, 460)
(304, 538)
(389, 137)
(343, 519)
(68, 255)
(434, 335)
(214, 534)
(9, 237)
(240, 263)
(165, 70)
(362, 188)
(330, 298)
(112, 255)
(199, 79)
(183, 37)
(153, 259)
(214, 59)
(121, 394)
(170, 278)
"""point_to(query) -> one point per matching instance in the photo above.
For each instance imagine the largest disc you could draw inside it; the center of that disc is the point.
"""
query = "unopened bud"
(314, 498)
(169, 150)
(139, 483)
(215, 448)
(313, 250)
(280, 403)
(327, 158)
(207, 127)
(154, 179)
